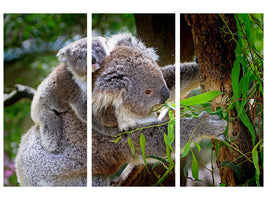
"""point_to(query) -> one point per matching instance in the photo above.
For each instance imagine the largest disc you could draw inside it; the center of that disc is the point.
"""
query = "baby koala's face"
(75, 57)
(77, 60)
(99, 52)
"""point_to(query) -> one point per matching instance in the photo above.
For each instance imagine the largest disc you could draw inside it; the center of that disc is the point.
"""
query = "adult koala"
(54, 151)
(128, 86)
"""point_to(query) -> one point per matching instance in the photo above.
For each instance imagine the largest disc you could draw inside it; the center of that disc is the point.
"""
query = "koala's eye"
(97, 51)
(149, 91)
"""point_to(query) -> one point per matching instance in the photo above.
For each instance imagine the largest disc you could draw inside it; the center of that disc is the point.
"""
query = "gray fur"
(63, 89)
(53, 152)
(35, 166)
(207, 126)
(99, 52)
(74, 55)
(124, 95)
(169, 76)
(127, 39)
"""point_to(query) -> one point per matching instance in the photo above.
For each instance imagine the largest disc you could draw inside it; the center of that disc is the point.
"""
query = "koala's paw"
(213, 124)
(51, 140)
(221, 137)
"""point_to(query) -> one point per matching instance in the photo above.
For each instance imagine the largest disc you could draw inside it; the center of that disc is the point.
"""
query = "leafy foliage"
(247, 99)
(169, 138)
(247, 84)
(249, 88)
(47, 27)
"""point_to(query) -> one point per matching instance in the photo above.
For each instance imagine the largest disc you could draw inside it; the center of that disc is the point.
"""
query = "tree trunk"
(215, 54)
(187, 50)
(158, 31)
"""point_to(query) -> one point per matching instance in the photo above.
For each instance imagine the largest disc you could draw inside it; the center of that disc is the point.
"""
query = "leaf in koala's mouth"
(157, 107)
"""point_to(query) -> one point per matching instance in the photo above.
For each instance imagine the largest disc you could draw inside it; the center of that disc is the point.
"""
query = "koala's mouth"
(95, 67)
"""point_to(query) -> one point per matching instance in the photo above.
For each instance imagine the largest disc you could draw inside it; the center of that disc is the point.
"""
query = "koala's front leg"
(80, 108)
(51, 130)
(205, 125)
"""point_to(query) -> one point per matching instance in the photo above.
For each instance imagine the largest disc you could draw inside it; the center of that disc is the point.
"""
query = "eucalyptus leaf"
(235, 78)
(186, 149)
(198, 146)
(131, 145)
(200, 99)
(255, 158)
(195, 167)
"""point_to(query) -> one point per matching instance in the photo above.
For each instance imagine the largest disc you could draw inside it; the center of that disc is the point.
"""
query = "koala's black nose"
(93, 59)
(165, 94)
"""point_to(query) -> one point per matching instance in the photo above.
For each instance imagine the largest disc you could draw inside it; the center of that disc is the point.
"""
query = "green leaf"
(198, 146)
(244, 86)
(195, 168)
(235, 78)
(186, 149)
(142, 145)
(248, 28)
(245, 120)
(172, 106)
(200, 99)
(255, 158)
(170, 137)
(131, 145)
(165, 175)
(230, 106)
(159, 158)
(116, 140)
(167, 147)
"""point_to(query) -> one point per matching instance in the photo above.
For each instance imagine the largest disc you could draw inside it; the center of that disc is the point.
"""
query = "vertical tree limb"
(215, 54)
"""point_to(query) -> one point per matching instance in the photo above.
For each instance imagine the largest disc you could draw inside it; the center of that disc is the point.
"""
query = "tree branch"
(20, 92)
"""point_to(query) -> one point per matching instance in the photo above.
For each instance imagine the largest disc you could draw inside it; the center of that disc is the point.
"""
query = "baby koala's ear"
(62, 55)
(73, 50)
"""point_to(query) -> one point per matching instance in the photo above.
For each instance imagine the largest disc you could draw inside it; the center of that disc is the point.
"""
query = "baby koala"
(64, 89)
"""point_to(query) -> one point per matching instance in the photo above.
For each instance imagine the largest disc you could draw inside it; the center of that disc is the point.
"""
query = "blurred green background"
(30, 45)
(110, 24)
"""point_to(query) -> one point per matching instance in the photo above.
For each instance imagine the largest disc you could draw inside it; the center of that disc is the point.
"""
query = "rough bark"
(215, 54)
(187, 51)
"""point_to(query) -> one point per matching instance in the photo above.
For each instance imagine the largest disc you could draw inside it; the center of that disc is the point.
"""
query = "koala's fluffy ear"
(104, 44)
(127, 39)
(65, 52)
